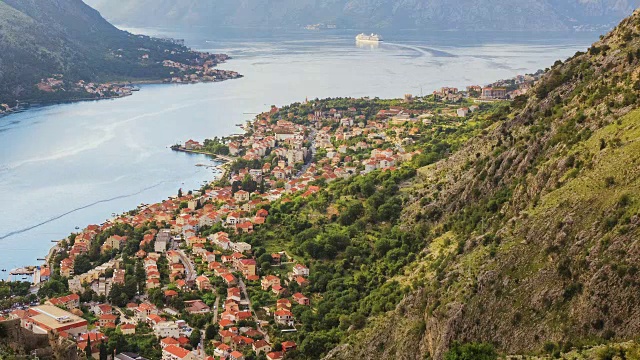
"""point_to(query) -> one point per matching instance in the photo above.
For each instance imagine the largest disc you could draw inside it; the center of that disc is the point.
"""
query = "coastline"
(26, 105)
(38, 104)
(224, 160)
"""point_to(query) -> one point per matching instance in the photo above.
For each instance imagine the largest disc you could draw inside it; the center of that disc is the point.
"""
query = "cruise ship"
(374, 38)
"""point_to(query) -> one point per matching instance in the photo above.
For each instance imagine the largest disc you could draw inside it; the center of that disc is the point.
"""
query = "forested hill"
(42, 38)
(532, 245)
(474, 15)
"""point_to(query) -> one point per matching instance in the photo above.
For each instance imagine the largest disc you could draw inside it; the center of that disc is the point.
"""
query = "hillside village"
(185, 272)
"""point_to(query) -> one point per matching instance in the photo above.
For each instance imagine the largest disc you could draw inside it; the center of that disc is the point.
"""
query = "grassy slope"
(534, 226)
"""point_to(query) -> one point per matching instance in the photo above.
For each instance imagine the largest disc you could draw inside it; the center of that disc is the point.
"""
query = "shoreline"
(223, 158)
(224, 162)
(41, 104)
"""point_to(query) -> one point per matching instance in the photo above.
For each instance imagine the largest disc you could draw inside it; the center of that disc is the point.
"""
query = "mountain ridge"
(538, 15)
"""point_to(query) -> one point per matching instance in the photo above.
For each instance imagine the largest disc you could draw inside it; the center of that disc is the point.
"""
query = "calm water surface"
(76, 164)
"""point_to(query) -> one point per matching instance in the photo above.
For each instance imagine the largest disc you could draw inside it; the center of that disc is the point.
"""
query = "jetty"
(224, 158)
(29, 270)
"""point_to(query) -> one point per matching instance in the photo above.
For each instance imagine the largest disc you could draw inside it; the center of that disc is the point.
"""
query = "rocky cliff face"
(543, 15)
(535, 225)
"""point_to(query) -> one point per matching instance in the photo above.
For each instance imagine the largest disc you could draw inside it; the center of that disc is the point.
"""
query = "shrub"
(609, 181)
(571, 291)
(471, 351)
(549, 347)
(624, 201)
(609, 353)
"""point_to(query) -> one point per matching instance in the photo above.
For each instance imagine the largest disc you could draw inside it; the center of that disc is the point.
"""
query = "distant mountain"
(371, 14)
(71, 41)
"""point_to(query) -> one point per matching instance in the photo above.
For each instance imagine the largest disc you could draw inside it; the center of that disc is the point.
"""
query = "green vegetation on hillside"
(350, 233)
(532, 242)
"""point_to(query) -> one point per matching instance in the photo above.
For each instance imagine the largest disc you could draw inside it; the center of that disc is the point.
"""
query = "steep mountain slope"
(423, 14)
(534, 226)
(67, 37)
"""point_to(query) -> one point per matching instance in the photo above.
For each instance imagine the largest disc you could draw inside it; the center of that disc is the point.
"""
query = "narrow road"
(190, 272)
(243, 288)
(312, 149)
(215, 309)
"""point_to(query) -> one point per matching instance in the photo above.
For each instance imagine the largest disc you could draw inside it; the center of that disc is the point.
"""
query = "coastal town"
(199, 275)
(201, 68)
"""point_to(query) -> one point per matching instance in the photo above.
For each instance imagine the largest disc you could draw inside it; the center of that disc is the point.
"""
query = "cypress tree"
(87, 350)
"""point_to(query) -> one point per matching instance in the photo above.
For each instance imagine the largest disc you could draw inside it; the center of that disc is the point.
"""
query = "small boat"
(77, 227)
(4, 270)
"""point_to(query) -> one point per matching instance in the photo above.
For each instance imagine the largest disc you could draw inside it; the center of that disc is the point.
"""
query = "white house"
(165, 329)
(462, 112)
(240, 247)
(300, 270)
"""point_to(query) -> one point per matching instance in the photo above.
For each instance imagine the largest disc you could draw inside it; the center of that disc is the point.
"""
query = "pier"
(225, 158)
(30, 270)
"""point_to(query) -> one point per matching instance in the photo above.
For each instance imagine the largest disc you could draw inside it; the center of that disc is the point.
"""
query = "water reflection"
(367, 45)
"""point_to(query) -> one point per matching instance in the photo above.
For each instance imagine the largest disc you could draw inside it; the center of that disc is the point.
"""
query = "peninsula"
(72, 53)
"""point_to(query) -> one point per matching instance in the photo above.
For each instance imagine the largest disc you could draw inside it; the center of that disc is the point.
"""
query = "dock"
(30, 270)
(224, 158)
(217, 167)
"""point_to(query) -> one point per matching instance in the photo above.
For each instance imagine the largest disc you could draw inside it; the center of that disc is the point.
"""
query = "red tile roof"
(177, 351)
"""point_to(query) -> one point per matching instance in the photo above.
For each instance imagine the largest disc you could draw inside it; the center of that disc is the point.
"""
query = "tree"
(82, 264)
(103, 351)
(141, 276)
(248, 184)
(52, 288)
(211, 331)
(351, 213)
(156, 296)
(87, 350)
(180, 192)
(265, 266)
(114, 294)
(264, 258)
(195, 337)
